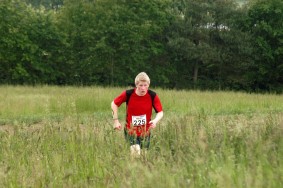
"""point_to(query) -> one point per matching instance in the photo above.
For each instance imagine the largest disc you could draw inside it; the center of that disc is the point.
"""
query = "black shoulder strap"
(151, 93)
(129, 93)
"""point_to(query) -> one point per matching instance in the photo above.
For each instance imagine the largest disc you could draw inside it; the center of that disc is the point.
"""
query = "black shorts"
(143, 141)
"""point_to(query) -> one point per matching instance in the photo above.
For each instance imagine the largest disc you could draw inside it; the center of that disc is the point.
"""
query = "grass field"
(63, 137)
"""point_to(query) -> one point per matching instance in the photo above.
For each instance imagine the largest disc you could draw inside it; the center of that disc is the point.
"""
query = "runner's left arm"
(157, 118)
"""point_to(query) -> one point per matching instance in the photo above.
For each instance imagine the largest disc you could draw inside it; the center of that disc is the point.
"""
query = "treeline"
(200, 44)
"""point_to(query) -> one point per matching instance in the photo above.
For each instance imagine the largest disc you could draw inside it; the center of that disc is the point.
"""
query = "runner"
(140, 102)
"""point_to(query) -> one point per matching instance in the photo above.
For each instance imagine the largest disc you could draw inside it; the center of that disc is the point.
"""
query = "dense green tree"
(232, 50)
(15, 44)
(48, 59)
(132, 38)
(266, 26)
(75, 19)
(188, 40)
(181, 44)
(28, 40)
(110, 41)
(207, 45)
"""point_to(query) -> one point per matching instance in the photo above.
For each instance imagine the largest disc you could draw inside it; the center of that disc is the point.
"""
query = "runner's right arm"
(117, 124)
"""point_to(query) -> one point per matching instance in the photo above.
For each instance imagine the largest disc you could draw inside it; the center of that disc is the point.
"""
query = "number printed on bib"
(139, 120)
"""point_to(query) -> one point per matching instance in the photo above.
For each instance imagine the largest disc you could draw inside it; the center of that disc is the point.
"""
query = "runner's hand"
(152, 124)
(117, 125)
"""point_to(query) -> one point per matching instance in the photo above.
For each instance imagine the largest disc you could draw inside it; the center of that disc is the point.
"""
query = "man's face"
(142, 88)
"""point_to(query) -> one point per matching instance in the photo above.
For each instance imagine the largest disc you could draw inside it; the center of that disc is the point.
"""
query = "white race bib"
(139, 120)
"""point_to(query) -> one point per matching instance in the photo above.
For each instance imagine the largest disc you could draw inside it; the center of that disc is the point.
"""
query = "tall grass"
(63, 137)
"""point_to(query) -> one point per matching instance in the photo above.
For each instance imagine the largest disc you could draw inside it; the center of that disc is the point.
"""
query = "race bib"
(139, 120)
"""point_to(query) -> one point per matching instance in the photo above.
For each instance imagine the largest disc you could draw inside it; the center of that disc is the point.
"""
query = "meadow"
(63, 137)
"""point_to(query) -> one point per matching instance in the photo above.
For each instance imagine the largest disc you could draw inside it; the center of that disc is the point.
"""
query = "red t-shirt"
(139, 111)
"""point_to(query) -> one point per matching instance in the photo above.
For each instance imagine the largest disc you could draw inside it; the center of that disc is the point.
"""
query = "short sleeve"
(120, 99)
(157, 104)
